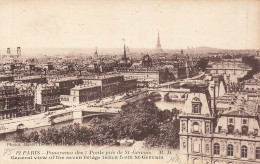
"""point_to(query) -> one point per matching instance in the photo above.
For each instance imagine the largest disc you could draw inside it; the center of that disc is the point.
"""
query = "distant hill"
(207, 49)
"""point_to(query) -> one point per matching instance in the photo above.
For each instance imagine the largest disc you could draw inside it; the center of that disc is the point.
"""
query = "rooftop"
(139, 69)
(102, 77)
(46, 86)
(5, 76)
(64, 79)
(27, 77)
(237, 113)
(81, 87)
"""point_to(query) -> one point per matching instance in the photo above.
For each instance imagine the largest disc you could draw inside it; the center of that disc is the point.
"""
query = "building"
(111, 84)
(125, 61)
(8, 101)
(6, 78)
(252, 85)
(147, 76)
(25, 99)
(16, 99)
(98, 87)
(30, 67)
(31, 79)
(46, 96)
(210, 138)
(147, 61)
(234, 69)
(182, 67)
(9, 54)
(217, 86)
(66, 83)
(81, 94)
(9, 67)
(48, 66)
(95, 54)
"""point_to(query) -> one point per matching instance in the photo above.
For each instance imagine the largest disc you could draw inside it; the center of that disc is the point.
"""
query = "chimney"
(213, 88)
(8, 51)
(240, 110)
(19, 51)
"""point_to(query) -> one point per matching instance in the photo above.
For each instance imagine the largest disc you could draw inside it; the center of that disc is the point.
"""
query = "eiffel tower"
(158, 45)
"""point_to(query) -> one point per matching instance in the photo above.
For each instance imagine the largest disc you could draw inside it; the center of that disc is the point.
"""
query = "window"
(219, 128)
(230, 150)
(196, 105)
(216, 149)
(231, 121)
(230, 129)
(255, 132)
(244, 121)
(196, 108)
(257, 153)
(244, 130)
(195, 127)
(244, 152)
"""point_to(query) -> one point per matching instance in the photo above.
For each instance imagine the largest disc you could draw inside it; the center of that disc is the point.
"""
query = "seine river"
(11, 136)
(161, 104)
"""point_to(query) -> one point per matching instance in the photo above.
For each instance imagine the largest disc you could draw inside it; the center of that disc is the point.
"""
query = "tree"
(165, 116)
(141, 120)
(203, 64)
(167, 137)
(252, 62)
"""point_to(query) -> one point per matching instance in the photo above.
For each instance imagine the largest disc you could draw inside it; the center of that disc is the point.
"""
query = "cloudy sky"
(104, 23)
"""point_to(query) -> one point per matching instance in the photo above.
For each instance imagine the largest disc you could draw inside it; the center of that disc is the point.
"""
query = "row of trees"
(203, 64)
(138, 121)
(252, 62)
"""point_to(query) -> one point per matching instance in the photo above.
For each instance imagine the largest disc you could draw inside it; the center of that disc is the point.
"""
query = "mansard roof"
(238, 113)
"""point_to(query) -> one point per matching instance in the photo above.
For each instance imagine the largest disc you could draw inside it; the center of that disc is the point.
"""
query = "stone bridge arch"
(156, 96)
(171, 96)
(20, 127)
(167, 94)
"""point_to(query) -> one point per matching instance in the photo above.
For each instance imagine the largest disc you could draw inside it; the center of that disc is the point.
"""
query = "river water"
(163, 105)
(160, 103)
(12, 135)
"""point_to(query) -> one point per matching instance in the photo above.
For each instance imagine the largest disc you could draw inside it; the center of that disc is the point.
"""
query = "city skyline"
(110, 24)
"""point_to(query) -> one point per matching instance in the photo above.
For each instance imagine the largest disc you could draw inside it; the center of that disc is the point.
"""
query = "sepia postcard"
(130, 81)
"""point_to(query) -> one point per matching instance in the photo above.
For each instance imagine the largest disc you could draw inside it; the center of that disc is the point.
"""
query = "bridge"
(171, 93)
(19, 123)
(48, 118)
(200, 76)
(167, 90)
(235, 70)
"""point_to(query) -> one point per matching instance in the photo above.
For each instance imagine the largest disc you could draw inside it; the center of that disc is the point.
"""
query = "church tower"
(125, 61)
(158, 45)
(124, 57)
(96, 54)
